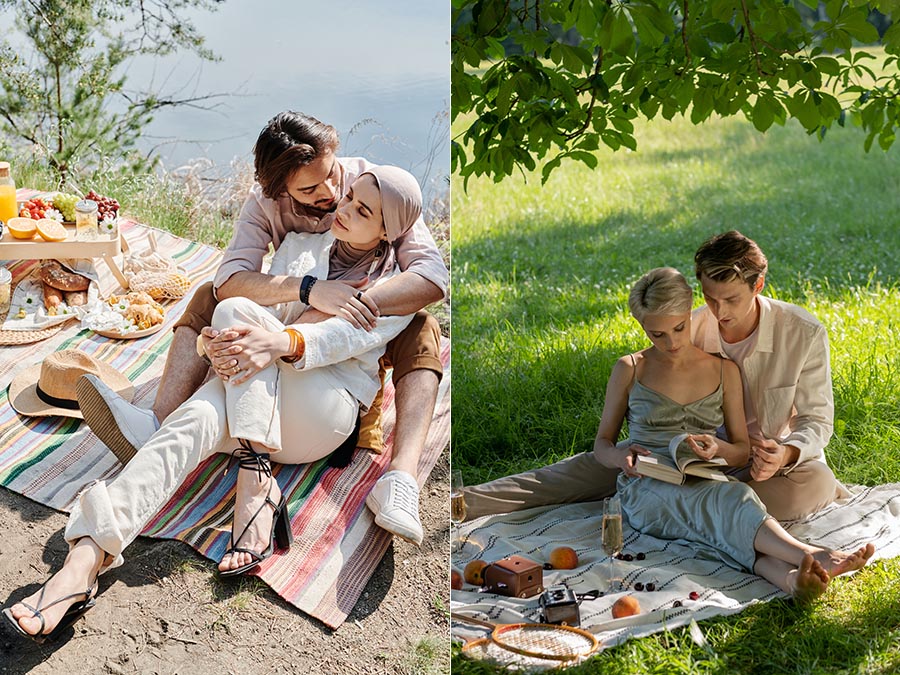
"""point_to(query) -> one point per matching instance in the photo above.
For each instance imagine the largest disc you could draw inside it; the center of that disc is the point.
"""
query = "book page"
(684, 456)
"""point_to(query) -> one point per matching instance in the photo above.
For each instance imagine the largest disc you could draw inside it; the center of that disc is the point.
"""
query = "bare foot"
(250, 495)
(77, 576)
(841, 562)
(808, 581)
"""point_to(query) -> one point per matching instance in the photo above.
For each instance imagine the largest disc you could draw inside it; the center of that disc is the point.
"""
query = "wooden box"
(515, 576)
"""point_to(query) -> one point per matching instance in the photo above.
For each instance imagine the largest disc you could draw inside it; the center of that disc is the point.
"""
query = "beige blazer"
(788, 374)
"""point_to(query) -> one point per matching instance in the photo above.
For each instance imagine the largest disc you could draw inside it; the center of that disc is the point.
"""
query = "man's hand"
(768, 456)
(346, 300)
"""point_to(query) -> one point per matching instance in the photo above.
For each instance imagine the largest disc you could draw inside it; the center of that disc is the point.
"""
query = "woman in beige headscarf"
(291, 388)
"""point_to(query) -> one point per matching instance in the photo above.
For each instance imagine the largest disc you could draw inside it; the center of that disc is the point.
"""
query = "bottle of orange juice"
(7, 194)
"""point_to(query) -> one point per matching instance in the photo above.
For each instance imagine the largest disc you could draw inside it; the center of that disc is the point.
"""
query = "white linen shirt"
(351, 353)
(788, 374)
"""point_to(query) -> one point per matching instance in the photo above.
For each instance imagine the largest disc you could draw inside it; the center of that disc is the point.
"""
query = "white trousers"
(301, 415)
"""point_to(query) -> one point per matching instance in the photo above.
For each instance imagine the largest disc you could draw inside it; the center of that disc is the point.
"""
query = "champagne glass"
(457, 506)
(612, 539)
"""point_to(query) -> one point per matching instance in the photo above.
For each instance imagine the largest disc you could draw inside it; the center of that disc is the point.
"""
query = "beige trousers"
(315, 417)
(787, 495)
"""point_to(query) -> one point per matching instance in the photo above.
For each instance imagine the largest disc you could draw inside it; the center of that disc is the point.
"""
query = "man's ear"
(760, 284)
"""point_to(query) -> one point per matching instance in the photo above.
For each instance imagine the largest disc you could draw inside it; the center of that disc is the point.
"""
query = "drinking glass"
(457, 506)
(612, 539)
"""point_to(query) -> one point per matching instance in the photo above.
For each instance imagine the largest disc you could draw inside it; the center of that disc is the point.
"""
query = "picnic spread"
(673, 582)
(125, 323)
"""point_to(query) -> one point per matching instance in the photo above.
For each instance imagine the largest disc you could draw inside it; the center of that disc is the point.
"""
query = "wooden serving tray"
(38, 249)
(106, 247)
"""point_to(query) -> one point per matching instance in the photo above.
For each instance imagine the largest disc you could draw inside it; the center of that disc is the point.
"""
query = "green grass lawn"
(540, 281)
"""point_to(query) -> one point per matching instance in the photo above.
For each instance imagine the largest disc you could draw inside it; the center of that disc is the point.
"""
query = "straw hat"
(49, 388)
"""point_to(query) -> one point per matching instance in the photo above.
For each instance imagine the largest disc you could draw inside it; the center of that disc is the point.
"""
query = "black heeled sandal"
(75, 612)
(281, 534)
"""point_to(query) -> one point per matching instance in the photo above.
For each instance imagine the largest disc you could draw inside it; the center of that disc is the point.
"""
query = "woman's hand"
(705, 446)
(627, 457)
(346, 300)
(240, 352)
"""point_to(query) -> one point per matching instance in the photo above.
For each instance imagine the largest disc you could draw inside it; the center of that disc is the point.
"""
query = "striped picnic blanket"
(676, 568)
(337, 545)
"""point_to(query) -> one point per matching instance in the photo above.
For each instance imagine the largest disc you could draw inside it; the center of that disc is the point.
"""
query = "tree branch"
(684, 40)
(753, 46)
(590, 110)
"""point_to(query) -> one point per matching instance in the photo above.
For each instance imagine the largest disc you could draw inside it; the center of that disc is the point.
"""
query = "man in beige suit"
(782, 352)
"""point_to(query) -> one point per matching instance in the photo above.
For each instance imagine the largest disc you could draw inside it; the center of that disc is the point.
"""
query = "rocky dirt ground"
(165, 611)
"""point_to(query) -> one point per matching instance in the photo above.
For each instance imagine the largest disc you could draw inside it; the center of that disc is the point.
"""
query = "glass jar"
(8, 204)
(86, 223)
(5, 290)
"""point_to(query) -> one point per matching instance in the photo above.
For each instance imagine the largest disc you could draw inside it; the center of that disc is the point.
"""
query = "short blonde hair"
(664, 291)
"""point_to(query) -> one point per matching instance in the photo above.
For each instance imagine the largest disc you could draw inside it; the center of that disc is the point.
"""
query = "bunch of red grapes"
(107, 207)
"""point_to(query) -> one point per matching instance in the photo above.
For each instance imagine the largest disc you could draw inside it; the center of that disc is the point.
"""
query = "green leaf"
(828, 65)
(803, 108)
(622, 38)
(588, 158)
(548, 168)
(763, 115)
(702, 104)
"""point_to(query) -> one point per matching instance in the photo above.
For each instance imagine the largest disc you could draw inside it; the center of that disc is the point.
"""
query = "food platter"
(133, 335)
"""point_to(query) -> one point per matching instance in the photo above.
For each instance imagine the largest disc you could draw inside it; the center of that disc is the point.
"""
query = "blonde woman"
(673, 387)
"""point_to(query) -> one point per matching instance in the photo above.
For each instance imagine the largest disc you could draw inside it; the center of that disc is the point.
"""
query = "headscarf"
(401, 206)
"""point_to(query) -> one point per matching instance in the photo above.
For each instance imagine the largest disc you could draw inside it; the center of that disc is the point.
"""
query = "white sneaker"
(395, 502)
(122, 426)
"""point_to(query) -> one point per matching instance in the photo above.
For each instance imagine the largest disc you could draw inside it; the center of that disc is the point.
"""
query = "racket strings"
(554, 642)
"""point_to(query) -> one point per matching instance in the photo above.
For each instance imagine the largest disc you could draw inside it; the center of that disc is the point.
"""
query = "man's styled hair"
(289, 141)
(662, 291)
(731, 256)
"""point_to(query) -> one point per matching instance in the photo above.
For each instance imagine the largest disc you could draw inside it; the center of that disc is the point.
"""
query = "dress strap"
(633, 368)
(721, 371)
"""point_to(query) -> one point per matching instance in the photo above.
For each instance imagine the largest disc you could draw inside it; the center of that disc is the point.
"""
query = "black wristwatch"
(305, 287)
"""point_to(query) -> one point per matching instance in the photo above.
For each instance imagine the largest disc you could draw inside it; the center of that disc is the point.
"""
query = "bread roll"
(53, 297)
(55, 275)
(76, 298)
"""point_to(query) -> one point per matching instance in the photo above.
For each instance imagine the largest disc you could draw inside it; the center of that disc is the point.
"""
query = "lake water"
(379, 72)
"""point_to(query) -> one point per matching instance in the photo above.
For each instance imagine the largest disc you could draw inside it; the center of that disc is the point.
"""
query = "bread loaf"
(54, 274)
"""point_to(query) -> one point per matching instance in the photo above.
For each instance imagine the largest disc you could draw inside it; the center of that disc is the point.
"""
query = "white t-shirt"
(737, 352)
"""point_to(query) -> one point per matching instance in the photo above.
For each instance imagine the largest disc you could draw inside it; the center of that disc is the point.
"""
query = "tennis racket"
(538, 640)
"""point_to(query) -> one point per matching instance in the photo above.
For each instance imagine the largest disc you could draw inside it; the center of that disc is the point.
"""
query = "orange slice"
(21, 228)
(51, 230)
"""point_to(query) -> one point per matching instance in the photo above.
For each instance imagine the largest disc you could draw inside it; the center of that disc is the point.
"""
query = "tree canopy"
(557, 79)
(65, 94)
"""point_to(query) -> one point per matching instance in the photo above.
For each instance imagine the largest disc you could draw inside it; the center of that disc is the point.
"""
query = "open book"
(683, 463)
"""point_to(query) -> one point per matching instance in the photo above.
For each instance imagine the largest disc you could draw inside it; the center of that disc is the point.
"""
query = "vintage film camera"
(560, 606)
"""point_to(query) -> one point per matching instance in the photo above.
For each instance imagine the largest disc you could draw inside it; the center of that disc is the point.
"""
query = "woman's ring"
(359, 295)
(235, 369)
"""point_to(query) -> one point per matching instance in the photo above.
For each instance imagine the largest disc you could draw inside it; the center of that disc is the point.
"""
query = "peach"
(456, 580)
(474, 572)
(563, 558)
(626, 606)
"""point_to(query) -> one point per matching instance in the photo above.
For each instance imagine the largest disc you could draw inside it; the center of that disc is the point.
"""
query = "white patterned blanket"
(676, 568)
